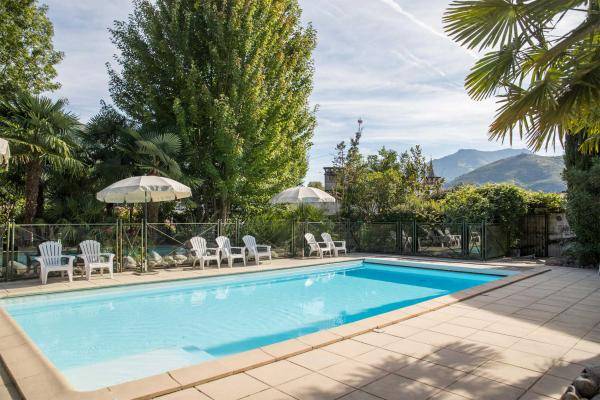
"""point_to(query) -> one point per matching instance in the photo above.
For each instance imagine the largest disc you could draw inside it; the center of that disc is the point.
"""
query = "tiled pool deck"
(525, 340)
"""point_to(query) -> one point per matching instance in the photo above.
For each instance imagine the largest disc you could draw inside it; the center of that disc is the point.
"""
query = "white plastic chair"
(94, 259)
(229, 252)
(334, 245)
(202, 253)
(51, 260)
(315, 247)
(256, 250)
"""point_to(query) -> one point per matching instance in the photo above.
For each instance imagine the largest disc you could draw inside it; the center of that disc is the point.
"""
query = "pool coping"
(37, 378)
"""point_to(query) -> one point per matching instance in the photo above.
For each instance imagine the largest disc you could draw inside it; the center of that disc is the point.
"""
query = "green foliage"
(12, 200)
(232, 80)
(547, 81)
(582, 174)
(27, 56)
(316, 184)
(377, 187)
(43, 139)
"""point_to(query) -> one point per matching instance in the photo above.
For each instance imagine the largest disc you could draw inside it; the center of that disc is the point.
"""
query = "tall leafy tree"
(547, 79)
(27, 56)
(232, 78)
(43, 137)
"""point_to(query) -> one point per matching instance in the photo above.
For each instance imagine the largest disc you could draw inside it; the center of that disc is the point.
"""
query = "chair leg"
(70, 274)
(110, 271)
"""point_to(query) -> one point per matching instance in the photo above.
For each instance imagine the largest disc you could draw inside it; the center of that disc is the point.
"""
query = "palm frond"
(485, 23)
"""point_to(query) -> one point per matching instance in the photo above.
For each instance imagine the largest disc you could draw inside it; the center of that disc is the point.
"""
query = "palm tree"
(154, 154)
(547, 78)
(42, 135)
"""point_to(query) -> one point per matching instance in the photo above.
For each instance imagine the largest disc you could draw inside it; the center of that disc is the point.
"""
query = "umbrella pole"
(145, 233)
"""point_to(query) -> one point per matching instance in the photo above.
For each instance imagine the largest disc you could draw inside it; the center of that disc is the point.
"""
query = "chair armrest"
(323, 245)
(70, 259)
(216, 250)
(263, 246)
(238, 250)
(343, 242)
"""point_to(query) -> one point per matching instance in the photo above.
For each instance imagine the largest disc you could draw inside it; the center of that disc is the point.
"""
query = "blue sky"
(387, 61)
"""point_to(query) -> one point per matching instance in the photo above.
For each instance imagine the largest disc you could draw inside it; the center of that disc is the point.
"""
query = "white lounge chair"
(315, 247)
(202, 253)
(51, 260)
(334, 245)
(229, 252)
(94, 259)
(256, 250)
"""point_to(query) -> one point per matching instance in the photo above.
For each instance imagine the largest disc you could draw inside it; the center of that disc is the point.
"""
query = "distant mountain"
(466, 160)
(529, 171)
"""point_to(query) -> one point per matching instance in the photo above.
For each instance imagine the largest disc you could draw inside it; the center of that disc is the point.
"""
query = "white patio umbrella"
(144, 189)
(302, 195)
(4, 152)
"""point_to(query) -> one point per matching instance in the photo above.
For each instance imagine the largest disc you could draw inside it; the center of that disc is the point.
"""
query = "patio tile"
(430, 374)
(9, 392)
(232, 387)
(154, 385)
(348, 348)
(315, 387)
(278, 372)
(385, 359)
(581, 357)
(470, 322)
(534, 396)
(477, 388)
(420, 322)
(321, 338)
(509, 374)
(286, 348)
(525, 360)
(376, 339)
(551, 386)
(200, 373)
(433, 338)
(539, 348)
(412, 348)
(455, 359)
(316, 359)
(394, 387)
(269, 394)
(443, 395)
(400, 330)
(495, 339)
(187, 394)
(449, 328)
(359, 395)
(353, 373)
(566, 370)
(589, 346)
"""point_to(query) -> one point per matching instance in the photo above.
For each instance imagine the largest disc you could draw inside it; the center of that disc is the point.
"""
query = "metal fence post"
(415, 241)
(483, 241)
(463, 242)
(219, 227)
(400, 236)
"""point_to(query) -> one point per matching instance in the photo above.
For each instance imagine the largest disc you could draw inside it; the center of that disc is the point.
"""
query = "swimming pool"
(102, 337)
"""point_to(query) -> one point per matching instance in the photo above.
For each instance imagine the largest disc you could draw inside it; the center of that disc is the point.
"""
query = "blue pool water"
(106, 336)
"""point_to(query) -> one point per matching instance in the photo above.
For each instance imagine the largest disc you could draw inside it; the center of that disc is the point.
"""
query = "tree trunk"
(32, 188)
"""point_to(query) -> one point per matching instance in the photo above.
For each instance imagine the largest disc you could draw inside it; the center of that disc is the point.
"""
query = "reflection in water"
(198, 297)
(222, 293)
(309, 282)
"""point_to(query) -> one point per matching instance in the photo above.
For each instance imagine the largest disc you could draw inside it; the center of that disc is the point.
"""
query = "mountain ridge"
(466, 160)
(529, 171)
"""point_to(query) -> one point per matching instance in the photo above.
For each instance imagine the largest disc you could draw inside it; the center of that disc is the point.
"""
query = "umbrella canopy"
(302, 195)
(144, 189)
(4, 152)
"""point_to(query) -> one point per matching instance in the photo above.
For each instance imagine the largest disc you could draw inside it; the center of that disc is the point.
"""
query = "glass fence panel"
(278, 234)
(440, 240)
(26, 238)
(168, 243)
(378, 237)
(496, 241)
(474, 242)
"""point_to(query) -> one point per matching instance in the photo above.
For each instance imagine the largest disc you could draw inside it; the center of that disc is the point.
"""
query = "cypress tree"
(232, 78)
